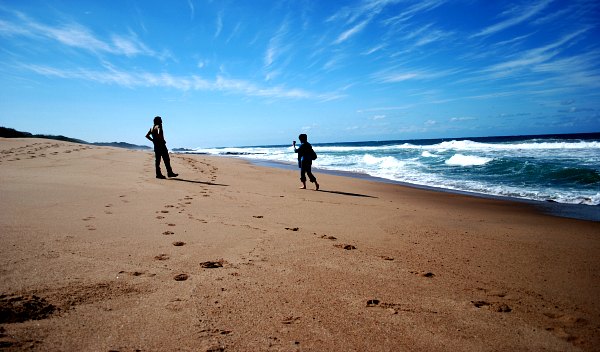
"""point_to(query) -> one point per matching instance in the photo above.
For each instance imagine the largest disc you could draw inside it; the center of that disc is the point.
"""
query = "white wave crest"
(467, 160)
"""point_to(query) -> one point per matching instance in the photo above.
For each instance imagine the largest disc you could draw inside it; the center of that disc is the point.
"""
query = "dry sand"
(98, 255)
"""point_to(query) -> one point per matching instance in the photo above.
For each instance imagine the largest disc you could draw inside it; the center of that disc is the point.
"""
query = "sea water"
(556, 168)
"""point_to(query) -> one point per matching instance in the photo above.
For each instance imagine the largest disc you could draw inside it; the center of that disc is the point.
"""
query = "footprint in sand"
(135, 273)
(178, 243)
(332, 238)
(17, 309)
(168, 233)
(347, 247)
(373, 303)
(503, 308)
(500, 308)
(212, 264)
(161, 257)
(480, 304)
(290, 320)
(292, 228)
(423, 273)
(181, 277)
(171, 225)
(160, 217)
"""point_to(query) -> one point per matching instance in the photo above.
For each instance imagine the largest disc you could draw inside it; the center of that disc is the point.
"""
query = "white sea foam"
(471, 145)
(467, 160)
(427, 154)
(462, 145)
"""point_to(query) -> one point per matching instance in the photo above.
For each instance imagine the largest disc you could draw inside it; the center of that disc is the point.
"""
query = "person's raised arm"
(148, 136)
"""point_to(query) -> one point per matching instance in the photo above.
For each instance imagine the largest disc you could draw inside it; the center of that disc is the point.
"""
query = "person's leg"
(303, 177)
(157, 156)
(312, 177)
(167, 161)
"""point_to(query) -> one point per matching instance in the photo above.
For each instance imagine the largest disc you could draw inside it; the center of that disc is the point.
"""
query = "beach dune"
(98, 255)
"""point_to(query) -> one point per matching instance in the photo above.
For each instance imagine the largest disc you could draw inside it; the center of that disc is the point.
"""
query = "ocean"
(548, 168)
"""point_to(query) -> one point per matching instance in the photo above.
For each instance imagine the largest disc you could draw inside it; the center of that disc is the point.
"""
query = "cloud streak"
(367, 10)
(529, 59)
(519, 14)
(77, 36)
(111, 75)
(413, 10)
(351, 32)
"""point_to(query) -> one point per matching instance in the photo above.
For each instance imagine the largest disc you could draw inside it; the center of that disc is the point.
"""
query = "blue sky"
(234, 73)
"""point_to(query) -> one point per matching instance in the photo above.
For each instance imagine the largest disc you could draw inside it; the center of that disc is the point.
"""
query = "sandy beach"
(98, 255)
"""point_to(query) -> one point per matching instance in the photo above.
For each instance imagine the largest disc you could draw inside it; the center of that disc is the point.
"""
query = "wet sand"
(98, 255)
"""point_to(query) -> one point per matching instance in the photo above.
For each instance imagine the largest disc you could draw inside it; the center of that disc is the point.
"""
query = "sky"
(242, 73)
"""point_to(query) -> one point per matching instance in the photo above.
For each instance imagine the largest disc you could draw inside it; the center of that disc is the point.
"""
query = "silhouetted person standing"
(306, 155)
(160, 148)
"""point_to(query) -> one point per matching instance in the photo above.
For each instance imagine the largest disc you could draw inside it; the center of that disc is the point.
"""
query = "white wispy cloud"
(192, 9)
(398, 77)
(234, 32)
(462, 118)
(219, 25)
(385, 108)
(577, 71)
(531, 58)
(358, 17)
(352, 31)
(365, 8)
(76, 36)
(417, 8)
(276, 44)
(518, 14)
(576, 110)
(425, 35)
(112, 75)
(374, 49)
(395, 75)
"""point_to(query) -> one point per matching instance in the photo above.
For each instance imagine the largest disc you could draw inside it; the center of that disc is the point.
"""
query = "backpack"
(314, 154)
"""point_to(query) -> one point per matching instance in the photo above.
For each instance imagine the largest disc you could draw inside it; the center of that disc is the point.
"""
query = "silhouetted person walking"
(160, 148)
(306, 155)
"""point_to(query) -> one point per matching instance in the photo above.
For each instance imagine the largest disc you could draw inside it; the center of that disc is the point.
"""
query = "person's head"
(158, 120)
(303, 137)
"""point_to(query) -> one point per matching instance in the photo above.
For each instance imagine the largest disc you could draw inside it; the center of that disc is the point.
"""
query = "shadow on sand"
(347, 194)
(200, 182)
